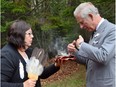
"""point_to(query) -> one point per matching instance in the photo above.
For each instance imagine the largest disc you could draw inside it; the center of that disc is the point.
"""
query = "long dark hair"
(16, 33)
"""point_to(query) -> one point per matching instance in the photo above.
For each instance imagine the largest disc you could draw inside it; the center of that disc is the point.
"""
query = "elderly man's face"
(86, 23)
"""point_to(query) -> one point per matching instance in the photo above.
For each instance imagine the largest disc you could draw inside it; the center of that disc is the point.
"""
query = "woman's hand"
(58, 61)
(62, 59)
(29, 83)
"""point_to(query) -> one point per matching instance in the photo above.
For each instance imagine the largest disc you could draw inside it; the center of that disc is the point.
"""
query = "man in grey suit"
(99, 54)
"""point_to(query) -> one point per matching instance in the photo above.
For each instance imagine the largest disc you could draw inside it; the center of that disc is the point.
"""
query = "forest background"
(54, 26)
(53, 23)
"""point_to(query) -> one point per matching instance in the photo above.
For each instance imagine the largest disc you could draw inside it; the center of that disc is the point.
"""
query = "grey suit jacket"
(99, 56)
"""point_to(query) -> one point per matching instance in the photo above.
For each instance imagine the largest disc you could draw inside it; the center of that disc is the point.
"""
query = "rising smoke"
(58, 47)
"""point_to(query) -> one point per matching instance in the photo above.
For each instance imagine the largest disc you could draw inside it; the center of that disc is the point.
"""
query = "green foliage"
(47, 27)
(12, 10)
(67, 12)
(63, 19)
(106, 8)
(19, 9)
(4, 28)
(51, 15)
(51, 23)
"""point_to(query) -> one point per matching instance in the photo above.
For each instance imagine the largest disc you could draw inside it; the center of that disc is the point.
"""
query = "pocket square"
(96, 35)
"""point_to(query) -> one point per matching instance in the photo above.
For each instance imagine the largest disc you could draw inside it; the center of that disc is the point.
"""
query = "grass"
(77, 79)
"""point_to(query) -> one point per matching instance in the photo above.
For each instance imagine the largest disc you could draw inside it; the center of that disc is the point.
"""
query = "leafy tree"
(50, 19)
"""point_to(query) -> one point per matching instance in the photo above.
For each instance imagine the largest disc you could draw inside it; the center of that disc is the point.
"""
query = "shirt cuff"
(79, 46)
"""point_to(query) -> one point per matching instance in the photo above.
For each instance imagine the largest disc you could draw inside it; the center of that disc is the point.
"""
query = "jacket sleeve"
(80, 59)
(7, 71)
(48, 71)
(102, 54)
(6, 84)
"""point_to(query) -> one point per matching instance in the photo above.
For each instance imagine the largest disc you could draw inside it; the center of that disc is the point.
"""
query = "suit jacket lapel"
(98, 33)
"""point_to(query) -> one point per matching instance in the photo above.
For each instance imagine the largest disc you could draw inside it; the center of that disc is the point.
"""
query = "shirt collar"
(99, 23)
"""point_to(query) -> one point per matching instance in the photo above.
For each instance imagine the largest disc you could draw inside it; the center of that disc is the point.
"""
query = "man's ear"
(91, 16)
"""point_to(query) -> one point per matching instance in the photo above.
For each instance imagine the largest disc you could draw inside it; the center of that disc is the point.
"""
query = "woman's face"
(28, 38)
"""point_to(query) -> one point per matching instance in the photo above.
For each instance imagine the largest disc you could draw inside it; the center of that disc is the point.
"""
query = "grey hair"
(85, 8)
